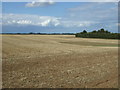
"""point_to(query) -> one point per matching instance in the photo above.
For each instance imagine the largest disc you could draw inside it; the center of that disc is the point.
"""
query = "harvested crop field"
(59, 61)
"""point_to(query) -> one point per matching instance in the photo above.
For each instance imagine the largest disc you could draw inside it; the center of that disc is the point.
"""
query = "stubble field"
(59, 61)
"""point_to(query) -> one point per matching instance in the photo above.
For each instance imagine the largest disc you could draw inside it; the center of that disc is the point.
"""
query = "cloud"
(92, 11)
(43, 21)
(74, 23)
(89, 16)
(102, 0)
(40, 3)
(24, 19)
(100, 14)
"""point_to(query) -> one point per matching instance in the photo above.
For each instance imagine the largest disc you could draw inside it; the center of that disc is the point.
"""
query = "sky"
(59, 17)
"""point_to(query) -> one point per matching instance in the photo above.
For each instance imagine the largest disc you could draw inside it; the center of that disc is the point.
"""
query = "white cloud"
(39, 3)
(24, 22)
(102, 12)
(63, 0)
(44, 21)
(72, 23)
(23, 19)
(102, 0)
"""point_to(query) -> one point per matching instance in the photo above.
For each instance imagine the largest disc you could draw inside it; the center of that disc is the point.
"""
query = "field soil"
(59, 61)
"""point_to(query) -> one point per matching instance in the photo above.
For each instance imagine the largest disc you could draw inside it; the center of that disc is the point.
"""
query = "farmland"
(59, 61)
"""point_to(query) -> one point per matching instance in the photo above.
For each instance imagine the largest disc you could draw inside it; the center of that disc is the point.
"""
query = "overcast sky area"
(59, 17)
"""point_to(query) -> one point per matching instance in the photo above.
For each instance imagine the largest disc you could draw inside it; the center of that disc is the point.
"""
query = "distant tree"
(94, 31)
(99, 34)
(107, 31)
(38, 33)
(101, 30)
(31, 33)
(84, 31)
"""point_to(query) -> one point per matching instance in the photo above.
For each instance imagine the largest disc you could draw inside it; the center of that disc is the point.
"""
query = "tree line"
(105, 34)
(32, 33)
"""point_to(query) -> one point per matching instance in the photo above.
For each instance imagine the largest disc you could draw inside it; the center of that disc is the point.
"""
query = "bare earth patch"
(59, 61)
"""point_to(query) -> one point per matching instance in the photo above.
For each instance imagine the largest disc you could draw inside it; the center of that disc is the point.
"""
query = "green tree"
(84, 31)
(94, 31)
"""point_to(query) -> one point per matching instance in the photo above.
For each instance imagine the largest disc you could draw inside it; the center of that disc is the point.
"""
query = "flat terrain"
(59, 61)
